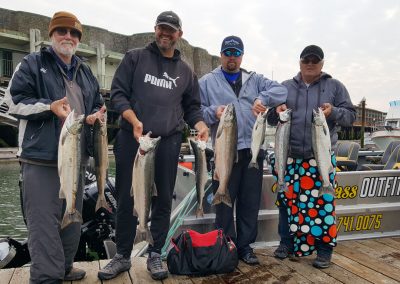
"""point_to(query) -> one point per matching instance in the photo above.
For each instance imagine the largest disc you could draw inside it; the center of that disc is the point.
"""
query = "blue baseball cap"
(232, 42)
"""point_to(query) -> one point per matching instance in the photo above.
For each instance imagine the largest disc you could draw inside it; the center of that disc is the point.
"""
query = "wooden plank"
(139, 273)
(123, 278)
(177, 279)
(360, 270)
(390, 242)
(211, 279)
(364, 259)
(20, 276)
(306, 270)
(91, 269)
(257, 273)
(279, 269)
(397, 239)
(6, 275)
(376, 250)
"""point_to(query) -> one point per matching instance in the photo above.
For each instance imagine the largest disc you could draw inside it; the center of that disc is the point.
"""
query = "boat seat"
(394, 160)
(378, 162)
(346, 153)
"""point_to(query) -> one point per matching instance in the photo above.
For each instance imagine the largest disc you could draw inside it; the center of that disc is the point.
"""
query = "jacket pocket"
(40, 137)
(160, 120)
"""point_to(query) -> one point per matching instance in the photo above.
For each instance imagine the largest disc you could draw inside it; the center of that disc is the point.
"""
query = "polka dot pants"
(311, 217)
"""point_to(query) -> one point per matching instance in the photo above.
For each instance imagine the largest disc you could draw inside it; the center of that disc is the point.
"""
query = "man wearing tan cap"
(46, 86)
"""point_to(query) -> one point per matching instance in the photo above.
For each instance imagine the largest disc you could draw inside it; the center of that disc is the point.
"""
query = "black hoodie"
(163, 92)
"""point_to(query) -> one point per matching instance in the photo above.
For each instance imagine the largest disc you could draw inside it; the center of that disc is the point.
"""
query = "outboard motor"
(97, 227)
(13, 253)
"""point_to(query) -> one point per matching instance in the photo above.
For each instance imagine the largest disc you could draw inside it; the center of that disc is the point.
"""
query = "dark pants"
(244, 186)
(52, 250)
(166, 164)
(323, 249)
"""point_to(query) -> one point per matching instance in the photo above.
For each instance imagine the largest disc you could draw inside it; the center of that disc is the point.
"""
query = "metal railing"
(6, 68)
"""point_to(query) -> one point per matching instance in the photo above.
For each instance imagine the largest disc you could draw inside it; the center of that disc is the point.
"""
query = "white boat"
(391, 129)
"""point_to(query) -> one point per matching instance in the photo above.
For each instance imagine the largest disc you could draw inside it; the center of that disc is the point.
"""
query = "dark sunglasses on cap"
(64, 31)
(229, 53)
(312, 60)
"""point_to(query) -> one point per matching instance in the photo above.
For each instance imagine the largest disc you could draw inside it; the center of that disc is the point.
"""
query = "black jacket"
(36, 83)
(163, 92)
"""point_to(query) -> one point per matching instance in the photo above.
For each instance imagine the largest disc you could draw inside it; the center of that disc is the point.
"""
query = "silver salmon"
(143, 186)
(257, 138)
(69, 166)
(100, 153)
(321, 142)
(282, 147)
(199, 150)
(225, 154)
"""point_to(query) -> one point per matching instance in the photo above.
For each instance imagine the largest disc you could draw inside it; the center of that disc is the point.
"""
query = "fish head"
(229, 114)
(146, 143)
(285, 116)
(319, 117)
(100, 126)
(74, 122)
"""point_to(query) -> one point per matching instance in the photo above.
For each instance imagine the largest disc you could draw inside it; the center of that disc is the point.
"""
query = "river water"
(11, 220)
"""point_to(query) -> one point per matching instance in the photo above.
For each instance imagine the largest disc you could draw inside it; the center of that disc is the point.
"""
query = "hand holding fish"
(202, 131)
(219, 112)
(91, 118)
(281, 108)
(60, 108)
(326, 109)
(258, 107)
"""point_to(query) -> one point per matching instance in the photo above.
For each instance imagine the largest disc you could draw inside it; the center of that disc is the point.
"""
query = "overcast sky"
(360, 38)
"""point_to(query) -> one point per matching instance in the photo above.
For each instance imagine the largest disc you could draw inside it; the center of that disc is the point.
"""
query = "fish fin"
(143, 235)
(71, 217)
(135, 213)
(216, 177)
(61, 195)
(222, 198)
(102, 203)
(131, 190)
(237, 157)
(199, 212)
(154, 193)
(326, 190)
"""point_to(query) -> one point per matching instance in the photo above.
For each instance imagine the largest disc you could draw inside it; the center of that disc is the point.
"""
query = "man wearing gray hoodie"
(306, 221)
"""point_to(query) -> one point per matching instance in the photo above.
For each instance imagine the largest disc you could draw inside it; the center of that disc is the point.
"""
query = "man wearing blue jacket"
(45, 87)
(154, 90)
(250, 93)
(306, 221)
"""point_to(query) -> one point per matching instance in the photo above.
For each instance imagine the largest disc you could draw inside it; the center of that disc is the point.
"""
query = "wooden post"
(362, 122)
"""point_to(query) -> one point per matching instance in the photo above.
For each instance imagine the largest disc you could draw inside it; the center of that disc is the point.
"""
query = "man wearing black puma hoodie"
(154, 90)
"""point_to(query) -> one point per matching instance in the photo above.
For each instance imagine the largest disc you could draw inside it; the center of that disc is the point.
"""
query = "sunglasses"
(64, 31)
(229, 53)
(312, 60)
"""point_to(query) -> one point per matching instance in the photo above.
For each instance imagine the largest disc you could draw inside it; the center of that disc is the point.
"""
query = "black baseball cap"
(232, 42)
(169, 18)
(312, 50)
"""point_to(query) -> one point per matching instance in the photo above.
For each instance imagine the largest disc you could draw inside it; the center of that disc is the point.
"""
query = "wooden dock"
(361, 261)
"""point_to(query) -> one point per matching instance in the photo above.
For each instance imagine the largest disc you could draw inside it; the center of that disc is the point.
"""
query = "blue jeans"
(323, 249)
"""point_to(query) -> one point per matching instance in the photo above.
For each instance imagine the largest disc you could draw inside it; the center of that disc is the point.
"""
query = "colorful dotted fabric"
(311, 217)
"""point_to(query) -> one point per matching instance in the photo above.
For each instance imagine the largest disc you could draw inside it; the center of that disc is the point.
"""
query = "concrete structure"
(22, 33)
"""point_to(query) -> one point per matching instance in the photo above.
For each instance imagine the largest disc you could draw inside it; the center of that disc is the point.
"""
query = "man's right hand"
(137, 129)
(61, 108)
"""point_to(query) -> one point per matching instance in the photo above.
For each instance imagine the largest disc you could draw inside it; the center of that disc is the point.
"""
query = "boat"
(391, 128)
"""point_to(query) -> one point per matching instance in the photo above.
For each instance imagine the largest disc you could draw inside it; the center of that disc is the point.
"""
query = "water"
(11, 220)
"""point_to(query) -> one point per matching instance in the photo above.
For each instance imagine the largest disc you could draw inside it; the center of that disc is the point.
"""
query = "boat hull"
(382, 138)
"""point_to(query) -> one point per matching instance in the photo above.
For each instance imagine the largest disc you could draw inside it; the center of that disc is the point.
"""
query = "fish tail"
(253, 165)
(222, 198)
(71, 217)
(101, 202)
(283, 187)
(199, 212)
(143, 235)
(326, 190)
